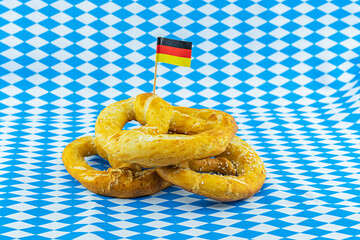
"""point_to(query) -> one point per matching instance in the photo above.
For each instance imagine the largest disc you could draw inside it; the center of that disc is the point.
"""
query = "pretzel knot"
(179, 142)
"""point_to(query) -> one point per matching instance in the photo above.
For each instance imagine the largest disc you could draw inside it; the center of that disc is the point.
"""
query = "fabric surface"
(288, 71)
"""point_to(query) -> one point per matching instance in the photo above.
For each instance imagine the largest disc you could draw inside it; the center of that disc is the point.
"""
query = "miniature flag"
(173, 51)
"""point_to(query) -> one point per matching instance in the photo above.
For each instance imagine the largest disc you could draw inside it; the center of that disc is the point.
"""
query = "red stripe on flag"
(179, 52)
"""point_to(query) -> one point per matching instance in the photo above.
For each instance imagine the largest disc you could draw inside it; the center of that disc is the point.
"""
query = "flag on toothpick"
(173, 51)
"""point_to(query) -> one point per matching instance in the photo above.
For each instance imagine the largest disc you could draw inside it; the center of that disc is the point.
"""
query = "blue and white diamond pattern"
(288, 71)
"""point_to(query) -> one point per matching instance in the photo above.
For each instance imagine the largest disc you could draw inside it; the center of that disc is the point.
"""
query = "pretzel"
(179, 141)
(200, 133)
(245, 173)
(127, 181)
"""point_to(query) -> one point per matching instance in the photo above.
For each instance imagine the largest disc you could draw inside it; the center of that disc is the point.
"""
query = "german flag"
(173, 51)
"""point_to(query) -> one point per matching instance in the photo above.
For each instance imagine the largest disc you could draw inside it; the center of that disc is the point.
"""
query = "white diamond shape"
(11, 90)
(194, 232)
(61, 17)
(36, 91)
(110, 32)
(86, 31)
(86, 6)
(11, 28)
(135, 8)
(111, 93)
(111, 20)
(87, 68)
(110, 7)
(159, 21)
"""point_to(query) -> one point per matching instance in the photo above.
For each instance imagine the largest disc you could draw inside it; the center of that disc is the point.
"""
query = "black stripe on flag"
(174, 43)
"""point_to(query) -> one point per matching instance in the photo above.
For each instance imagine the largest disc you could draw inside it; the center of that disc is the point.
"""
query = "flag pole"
(155, 73)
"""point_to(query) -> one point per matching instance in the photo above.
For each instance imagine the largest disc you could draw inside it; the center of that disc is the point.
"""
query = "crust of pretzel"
(201, 133)
(126, 182)
(248, 178)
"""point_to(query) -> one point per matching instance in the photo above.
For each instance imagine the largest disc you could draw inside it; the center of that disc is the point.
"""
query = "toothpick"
(155, 73)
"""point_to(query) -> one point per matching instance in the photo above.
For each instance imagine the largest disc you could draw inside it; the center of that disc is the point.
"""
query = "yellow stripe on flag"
(175, 60)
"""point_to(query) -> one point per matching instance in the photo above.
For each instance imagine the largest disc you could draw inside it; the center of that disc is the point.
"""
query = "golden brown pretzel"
(200, 133)
(249, 174)
(126, 182)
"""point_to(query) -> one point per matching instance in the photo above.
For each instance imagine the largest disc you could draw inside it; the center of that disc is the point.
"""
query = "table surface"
(287, 71)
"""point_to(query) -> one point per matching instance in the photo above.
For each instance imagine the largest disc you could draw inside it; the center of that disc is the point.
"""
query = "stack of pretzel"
(195, 149)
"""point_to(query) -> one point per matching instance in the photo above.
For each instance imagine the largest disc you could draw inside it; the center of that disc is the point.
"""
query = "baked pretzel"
(179, 141)
(127, 181)
(245, 173)
(200, 133)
